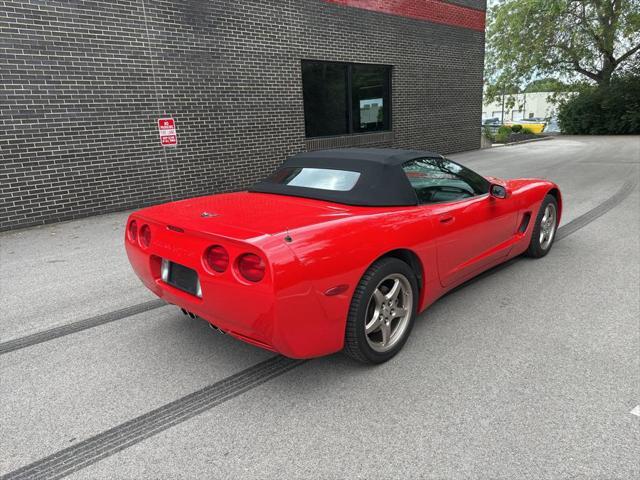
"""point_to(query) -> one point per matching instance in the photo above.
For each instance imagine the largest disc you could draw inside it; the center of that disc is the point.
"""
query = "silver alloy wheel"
(388, 312)
(548, 226)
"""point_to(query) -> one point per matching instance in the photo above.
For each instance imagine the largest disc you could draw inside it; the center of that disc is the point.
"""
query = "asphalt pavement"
(532, 371)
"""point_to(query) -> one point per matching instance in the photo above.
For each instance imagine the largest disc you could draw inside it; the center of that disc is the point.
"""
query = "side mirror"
(498, 191)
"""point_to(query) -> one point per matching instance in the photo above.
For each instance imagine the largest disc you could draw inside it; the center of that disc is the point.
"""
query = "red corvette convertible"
(338, 249)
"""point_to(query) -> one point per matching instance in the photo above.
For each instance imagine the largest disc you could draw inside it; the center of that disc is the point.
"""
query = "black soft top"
(382, 181)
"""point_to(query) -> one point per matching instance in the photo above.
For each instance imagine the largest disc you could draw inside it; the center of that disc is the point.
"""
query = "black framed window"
(344, 98)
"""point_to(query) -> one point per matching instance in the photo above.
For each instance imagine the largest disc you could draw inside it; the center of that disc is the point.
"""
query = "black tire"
(356, 344)
(536, 248)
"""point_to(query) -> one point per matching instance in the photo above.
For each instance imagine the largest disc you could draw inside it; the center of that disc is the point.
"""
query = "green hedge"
(502, 134)
(603, 110)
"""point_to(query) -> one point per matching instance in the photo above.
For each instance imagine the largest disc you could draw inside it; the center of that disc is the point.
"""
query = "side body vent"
(525, 222)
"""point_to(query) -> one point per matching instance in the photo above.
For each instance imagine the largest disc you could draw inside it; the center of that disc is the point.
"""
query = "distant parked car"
(491, 124)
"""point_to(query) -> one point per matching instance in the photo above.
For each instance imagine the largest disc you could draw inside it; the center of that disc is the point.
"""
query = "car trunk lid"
(244, 214)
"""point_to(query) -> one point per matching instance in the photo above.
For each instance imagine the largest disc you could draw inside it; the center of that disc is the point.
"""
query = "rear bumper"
(283, 313)
(219, 304)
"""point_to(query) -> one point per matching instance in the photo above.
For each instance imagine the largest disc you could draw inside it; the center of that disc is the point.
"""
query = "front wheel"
(544, 230)
(382, 311)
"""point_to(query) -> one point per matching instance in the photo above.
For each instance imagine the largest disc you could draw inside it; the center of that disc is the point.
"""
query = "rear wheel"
(544, 230)
(382, 311)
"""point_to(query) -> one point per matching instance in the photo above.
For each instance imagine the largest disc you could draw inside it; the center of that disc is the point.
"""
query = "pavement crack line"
(74, 327)
(109, 442)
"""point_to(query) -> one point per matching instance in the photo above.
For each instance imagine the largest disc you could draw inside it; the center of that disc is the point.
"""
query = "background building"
(247, 84)
(527, 105)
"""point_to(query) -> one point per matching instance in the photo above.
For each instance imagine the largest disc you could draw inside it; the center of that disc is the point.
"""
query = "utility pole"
(502, 118)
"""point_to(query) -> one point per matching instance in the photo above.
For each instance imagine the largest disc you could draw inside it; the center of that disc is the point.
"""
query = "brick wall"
(83, 83)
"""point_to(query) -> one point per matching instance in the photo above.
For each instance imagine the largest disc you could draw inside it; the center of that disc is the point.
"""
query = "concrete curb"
(521, 142)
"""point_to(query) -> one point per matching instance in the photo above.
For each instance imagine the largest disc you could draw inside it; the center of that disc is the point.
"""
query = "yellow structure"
(535, 127)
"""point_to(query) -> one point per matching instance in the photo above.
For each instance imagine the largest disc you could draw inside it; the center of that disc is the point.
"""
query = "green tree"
(562, 39)
(546, 85)
(597, 110)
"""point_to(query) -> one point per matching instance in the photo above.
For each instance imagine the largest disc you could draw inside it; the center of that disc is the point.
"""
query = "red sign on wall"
(167, 129)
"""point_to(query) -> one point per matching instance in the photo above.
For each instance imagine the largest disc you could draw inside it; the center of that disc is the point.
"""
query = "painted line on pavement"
(636, 411)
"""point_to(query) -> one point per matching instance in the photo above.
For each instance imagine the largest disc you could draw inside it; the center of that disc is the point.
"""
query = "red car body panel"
(316, 253)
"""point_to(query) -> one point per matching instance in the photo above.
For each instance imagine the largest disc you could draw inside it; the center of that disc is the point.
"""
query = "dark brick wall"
(83, 83)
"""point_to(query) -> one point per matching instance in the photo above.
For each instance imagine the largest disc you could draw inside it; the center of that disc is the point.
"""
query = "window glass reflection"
(320, 178)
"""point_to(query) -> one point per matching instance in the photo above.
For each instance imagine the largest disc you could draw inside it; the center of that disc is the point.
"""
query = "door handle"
(446, 219)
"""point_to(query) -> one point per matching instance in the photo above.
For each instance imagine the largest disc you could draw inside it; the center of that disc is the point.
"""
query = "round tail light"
(145, 236)
(133, 230)
(217, 258)
(251, 267)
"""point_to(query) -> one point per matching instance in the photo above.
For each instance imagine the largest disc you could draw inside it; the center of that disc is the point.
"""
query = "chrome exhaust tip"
(213, 327)
(188, 313)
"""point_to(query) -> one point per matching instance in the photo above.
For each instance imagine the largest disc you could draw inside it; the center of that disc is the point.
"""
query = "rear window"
(319, 178)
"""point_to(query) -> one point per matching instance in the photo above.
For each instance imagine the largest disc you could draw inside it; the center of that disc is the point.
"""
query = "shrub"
(504, 130)
(595, 110)
(516, 128)
(486, 131)
(501, 137)
(526, 130)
